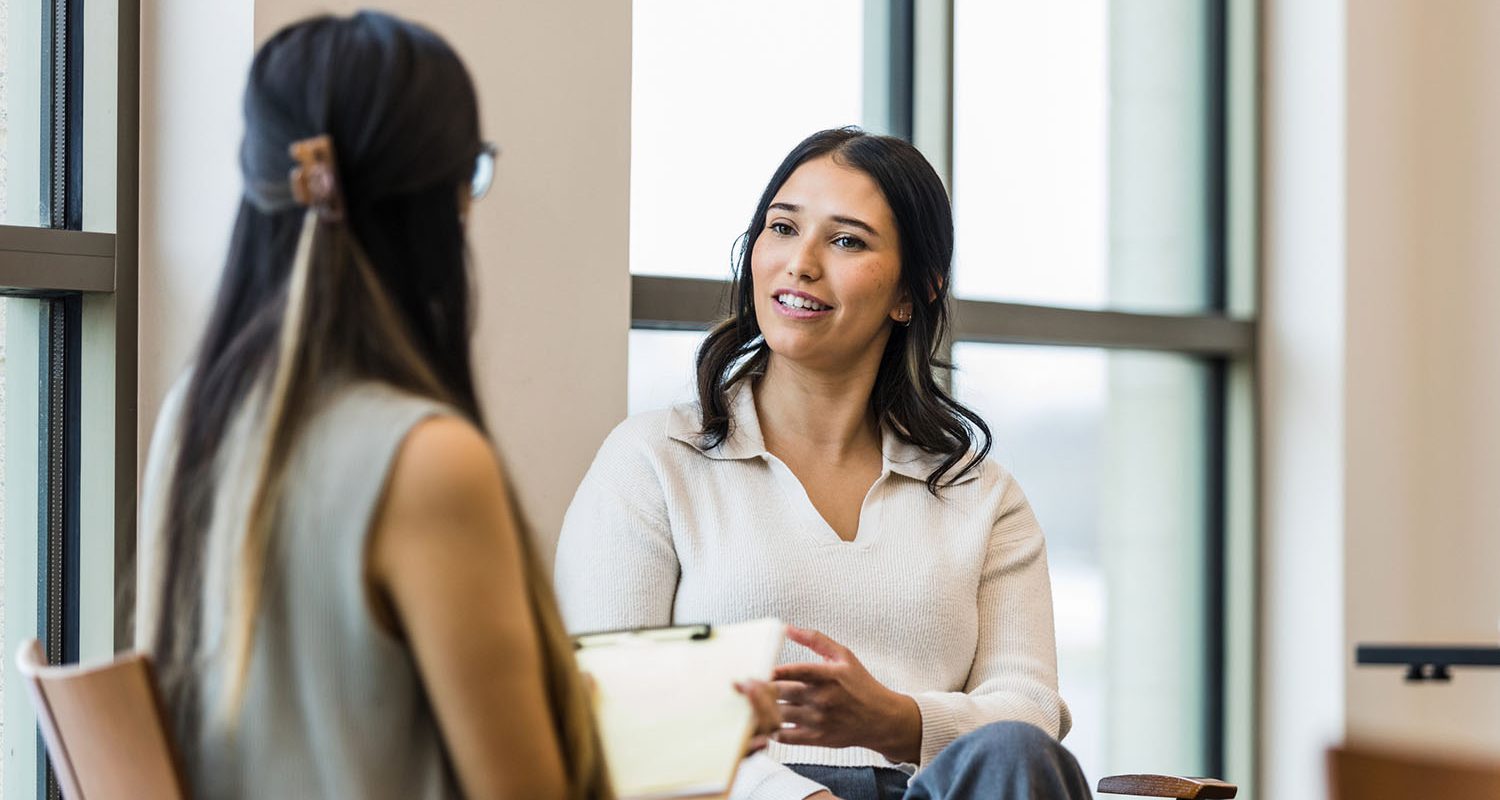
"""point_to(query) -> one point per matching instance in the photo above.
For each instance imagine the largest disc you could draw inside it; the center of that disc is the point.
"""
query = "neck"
(825, 412)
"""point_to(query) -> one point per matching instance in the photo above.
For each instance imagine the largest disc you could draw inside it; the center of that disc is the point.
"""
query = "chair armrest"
(1167, 786)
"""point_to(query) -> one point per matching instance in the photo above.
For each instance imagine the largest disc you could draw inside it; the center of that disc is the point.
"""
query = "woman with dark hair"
(336, 585)
(824, 476)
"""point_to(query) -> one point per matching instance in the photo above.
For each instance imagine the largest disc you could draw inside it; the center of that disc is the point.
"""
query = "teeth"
(793, 301)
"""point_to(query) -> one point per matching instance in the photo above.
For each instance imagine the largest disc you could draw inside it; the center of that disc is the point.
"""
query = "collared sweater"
(944, 598)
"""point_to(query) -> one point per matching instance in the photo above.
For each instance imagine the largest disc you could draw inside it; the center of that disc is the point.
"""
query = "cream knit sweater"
(945, 598)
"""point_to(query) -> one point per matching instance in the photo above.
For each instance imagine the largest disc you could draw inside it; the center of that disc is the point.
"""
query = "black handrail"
(1427, 662)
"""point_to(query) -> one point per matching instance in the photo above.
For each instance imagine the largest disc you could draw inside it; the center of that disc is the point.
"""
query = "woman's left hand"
(838, 703)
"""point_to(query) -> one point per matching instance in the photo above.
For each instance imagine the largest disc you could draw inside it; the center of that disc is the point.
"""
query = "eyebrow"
(850, 221)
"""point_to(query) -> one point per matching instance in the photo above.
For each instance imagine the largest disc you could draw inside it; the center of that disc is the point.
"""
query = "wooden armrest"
(1167, 786)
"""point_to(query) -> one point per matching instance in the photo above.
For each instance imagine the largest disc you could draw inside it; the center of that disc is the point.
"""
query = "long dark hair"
(309, 301)
(907, 397)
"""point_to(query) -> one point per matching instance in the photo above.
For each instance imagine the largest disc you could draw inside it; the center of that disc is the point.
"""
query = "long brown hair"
(907, 397)
(380, 292)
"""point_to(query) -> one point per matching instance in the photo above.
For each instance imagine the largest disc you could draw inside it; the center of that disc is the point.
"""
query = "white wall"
(194, 58)
(1381, 378)
(1302, 384)
(550, 243)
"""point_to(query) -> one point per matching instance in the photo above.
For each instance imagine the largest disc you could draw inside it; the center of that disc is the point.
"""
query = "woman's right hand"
(762, 697)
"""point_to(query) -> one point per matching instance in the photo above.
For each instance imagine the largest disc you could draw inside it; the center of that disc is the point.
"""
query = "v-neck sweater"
(944, 598)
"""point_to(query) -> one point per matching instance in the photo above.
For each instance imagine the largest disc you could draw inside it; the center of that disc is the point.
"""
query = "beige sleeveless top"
(334, 706)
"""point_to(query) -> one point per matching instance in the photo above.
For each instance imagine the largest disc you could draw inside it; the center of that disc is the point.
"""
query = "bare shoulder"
(443, 460)
(445, 496)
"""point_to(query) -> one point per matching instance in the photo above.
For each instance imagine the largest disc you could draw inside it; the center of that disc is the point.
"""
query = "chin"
(790, 345)
(799, 349)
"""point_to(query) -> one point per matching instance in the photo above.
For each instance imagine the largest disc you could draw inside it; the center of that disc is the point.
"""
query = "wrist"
(902, 740)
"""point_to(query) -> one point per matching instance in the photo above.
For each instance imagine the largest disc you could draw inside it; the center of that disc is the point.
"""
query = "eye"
(847, 242)
(780, 229)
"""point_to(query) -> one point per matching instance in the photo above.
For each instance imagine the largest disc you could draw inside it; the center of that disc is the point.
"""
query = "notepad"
(672, 723)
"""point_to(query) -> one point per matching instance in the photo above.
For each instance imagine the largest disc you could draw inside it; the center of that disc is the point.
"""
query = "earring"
(903, 316)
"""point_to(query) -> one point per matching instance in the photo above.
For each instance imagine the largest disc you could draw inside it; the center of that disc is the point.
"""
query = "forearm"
(900, 739)
(945, 716)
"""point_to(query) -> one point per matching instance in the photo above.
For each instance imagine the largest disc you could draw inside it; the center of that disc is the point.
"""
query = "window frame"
(909, 93)
(86, 285)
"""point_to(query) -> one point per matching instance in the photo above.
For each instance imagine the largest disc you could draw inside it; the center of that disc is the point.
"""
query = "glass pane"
(6, 688)
(22, 165)
(661, 368)
(100, 33)
(1080, 153)
(20, 112)
(1109, 447)
(20, 332)
(720, 93)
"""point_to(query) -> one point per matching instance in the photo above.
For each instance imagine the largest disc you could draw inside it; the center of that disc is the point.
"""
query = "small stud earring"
(903, 316)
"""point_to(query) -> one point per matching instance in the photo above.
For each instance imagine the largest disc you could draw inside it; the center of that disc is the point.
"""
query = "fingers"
(806, 673)
(762, 698)
(793, 692)
(805, 718)
(802, 726)
(817, 642)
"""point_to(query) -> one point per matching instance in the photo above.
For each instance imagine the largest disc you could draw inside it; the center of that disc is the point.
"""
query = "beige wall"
(1381, 373)
(1422, 554)
(550, 242)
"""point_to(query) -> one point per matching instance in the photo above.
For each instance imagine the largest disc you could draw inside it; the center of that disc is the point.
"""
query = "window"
(1100, 155)
(67, 345)
(1081, 141)
(708, 152)
(1110, 449)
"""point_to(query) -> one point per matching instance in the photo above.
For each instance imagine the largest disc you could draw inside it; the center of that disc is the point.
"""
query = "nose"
(804, 263)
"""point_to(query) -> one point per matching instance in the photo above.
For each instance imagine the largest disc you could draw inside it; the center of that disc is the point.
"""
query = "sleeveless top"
(334, 706)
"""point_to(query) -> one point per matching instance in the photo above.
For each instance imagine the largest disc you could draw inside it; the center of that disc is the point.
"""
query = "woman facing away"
(336, 589)
(825, 477)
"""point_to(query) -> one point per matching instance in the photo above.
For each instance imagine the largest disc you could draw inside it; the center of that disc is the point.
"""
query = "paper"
(672, 722)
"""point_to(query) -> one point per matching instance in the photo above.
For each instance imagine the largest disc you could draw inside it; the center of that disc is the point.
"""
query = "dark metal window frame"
(1215, 337)
(57, 264)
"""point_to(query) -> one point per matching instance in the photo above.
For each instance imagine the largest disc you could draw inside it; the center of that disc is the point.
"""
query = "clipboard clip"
(667, 633)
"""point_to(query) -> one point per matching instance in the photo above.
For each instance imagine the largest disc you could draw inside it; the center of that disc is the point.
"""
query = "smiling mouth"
(790, 300)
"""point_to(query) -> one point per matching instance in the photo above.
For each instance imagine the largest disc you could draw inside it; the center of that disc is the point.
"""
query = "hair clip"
(315, 179)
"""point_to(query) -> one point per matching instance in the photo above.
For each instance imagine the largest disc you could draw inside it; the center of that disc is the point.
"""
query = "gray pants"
(1001, 761)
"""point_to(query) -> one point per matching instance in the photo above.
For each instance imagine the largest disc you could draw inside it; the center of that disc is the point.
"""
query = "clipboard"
(672, 724)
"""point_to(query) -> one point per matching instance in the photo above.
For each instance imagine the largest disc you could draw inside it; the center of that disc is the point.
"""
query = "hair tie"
(315, 179)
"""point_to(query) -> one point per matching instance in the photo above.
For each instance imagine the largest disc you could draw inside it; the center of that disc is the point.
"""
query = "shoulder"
(644, 454)
(993, 477)
(988, 487)
(972, 478)
(1005, 503)
(444, 463)
(408, 452)
(652, 437)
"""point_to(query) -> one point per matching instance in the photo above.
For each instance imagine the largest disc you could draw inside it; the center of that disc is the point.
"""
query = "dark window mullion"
(58, 477)
(58, 508)
(1216, 263)
(61, 326)
(903, 68)
(58, 353)
(62, 114)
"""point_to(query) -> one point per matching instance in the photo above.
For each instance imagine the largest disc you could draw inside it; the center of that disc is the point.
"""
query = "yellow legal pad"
(672, 723)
